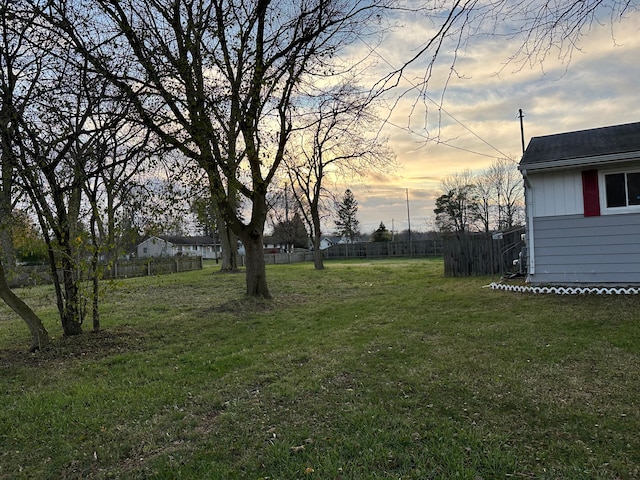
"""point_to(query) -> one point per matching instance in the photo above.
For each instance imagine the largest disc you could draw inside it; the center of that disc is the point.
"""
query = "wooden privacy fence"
(423, 248)
(475, 254)
(151, 266)
(41, 274)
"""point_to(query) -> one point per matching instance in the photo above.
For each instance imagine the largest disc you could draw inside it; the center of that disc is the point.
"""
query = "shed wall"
(594, 250)
(557, 193)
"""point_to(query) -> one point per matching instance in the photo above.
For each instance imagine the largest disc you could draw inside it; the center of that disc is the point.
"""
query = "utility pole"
(521, 115)
(288, 227)
(286, 204)
(409, 225)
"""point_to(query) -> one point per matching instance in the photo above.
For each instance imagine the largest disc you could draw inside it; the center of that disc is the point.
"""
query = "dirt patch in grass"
(246, 305)
(89, 346)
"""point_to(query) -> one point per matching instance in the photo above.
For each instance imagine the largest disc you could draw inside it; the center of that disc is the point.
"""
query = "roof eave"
(591, 161)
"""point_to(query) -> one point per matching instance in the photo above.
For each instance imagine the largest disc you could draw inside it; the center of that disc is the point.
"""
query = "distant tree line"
(490, 200)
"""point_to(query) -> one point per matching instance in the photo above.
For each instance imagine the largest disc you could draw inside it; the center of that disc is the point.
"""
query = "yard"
(382, 369)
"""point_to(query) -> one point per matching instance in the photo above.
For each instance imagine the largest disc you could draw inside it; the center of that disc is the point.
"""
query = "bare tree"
(508, 192)
(60, 146)
(457, 208)
(120, 152)
(341, 142)
(20, 68)
(538, 30)
(491, 199)
(217, 80)
(484, 190)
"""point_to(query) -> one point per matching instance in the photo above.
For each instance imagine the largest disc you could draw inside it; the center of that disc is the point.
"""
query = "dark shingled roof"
(560, 148)
(176, 240)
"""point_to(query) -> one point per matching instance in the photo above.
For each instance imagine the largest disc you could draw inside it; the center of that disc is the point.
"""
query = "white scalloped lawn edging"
(567, 290)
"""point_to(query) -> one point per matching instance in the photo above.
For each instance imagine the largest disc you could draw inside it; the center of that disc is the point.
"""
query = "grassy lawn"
(381, 369)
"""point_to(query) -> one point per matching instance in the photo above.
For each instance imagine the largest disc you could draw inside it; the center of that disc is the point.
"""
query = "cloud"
(478, 121)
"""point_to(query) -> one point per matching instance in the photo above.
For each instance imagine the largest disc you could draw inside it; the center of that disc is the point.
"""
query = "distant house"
(328, 241)
(168, 246)
(582, 194)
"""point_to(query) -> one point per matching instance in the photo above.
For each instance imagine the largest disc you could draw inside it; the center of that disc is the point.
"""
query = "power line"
(435, 140)
(424, 94)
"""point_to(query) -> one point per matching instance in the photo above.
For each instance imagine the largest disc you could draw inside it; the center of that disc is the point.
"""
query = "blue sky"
(598, 87)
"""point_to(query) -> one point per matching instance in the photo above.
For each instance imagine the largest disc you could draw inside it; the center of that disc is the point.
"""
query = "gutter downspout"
(528, 201)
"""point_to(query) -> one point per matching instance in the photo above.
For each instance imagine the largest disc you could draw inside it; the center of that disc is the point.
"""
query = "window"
(622, 190)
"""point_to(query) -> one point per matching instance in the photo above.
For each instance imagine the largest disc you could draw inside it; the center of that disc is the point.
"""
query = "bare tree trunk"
(228, 242)
(96, 294)
(318, 259)
(6, 225)
(69, 301)
(228, 239)
(39, 334)
(72, 319)
(256, 269)
(95, 275)
(6, 236)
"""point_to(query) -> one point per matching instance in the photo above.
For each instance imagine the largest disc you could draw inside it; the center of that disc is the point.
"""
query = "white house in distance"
(168, 246)
(582, 194)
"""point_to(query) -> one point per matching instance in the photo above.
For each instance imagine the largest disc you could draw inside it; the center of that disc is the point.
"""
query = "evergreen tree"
(347, 225)
(292, 232)
(381, 234)
(457, 210)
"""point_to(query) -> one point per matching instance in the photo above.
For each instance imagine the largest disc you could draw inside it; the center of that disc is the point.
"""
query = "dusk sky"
(599, 87)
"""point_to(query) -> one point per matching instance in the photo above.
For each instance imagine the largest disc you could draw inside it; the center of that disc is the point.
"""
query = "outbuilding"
(582, 195)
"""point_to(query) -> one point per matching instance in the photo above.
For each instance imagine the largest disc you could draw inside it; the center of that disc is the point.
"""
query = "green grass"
(367, 370)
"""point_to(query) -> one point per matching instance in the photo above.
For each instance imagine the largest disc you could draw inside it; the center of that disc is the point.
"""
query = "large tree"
(338, 140)
(491, 199)
(217, 80)
(20, 69)
(507, 192)
(58, 144)
(63, 150)
(458, 209)
(21, 66)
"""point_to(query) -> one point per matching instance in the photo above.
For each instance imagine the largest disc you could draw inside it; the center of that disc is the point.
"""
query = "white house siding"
(588, 250)
(557, 193)
(155, 247)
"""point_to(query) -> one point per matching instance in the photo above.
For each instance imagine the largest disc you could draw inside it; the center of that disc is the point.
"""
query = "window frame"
(605, 210)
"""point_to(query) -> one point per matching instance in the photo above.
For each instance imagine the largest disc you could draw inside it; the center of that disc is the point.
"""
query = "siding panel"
(593, 250)
(602, 241)
(557, 193)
